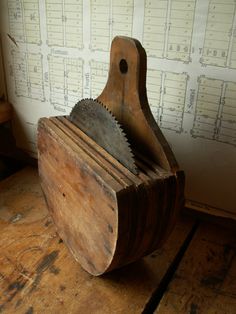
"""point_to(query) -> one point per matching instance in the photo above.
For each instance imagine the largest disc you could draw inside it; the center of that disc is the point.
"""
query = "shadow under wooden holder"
(106, 215)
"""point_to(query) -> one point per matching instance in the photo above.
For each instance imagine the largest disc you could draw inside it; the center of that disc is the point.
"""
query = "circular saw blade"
(95, 120)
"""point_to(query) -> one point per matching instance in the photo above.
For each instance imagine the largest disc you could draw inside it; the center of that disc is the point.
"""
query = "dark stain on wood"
(54, 270)
(12, 289)
(110, 228)
(91, 264)
(47, 223)
(193, 308)
(47, 261)
(30, 310)
(215, 279)
(112, 208)
(62, 288)
(16, 285)
(211, 281)
(107, 249)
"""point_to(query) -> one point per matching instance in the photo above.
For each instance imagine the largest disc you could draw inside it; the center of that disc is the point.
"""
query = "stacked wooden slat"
(106, 215)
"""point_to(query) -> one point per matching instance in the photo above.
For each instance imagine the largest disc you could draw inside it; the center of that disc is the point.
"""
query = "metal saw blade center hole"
(123, 66)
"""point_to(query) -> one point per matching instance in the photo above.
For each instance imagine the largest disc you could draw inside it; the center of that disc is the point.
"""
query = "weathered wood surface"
(38, 274)
(215, 215)
(131, 214)
(125, 95)
(205, 281)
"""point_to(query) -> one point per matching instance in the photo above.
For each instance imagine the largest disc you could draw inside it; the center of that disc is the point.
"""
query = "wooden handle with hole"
(125, 95)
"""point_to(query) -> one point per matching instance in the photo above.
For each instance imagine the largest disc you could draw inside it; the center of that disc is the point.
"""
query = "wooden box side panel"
(84, 211)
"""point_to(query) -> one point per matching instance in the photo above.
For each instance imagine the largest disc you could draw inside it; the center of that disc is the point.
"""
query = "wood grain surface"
(106, 215)
(205, 281)
(125, 95)
(38, 274)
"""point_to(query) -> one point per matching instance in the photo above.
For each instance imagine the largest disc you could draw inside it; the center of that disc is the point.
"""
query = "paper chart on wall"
(57, 52)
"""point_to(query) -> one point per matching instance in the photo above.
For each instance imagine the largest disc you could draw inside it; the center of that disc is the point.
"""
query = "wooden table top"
(194, 272)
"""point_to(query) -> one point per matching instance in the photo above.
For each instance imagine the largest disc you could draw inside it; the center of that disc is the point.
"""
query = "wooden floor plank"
(38, 274)
(205, 281)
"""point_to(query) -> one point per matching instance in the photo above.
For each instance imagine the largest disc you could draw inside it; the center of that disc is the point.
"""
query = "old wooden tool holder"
(104, 213)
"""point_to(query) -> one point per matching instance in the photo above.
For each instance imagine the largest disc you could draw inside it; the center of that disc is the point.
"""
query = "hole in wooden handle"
(123, 66)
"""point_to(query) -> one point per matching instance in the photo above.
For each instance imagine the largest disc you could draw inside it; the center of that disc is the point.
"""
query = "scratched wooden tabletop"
(194, 272)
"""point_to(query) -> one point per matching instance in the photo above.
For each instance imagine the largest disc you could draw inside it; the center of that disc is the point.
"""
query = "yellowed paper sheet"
(57, 52)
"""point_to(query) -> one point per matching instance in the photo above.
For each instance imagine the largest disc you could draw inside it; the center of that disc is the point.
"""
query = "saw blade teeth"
(109, 110)
(122, 130)
(104, 106)
(118, 123)
(82, 115)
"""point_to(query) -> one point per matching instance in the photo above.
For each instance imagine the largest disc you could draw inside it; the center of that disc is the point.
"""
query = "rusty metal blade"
(97, 122)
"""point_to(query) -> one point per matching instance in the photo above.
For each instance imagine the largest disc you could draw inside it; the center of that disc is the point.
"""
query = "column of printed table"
(28, 77)
(99, 74)
(64, 23)
(173, 101)
(24, 22)
(207, 107)
(227, 129)
(66, 80)
(218, 32)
